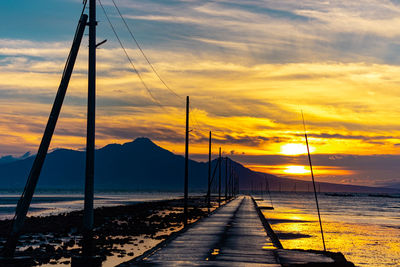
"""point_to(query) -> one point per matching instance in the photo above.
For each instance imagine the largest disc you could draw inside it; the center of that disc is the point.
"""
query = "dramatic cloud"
(249, 68)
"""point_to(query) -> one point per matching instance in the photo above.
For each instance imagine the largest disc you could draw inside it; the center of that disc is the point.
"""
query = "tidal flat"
(120, 232)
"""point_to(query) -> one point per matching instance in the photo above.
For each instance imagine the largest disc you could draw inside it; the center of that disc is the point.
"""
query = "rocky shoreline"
(120, 231)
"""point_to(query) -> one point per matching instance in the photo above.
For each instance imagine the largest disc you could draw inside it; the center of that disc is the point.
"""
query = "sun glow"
(296, 170)
(295, 149)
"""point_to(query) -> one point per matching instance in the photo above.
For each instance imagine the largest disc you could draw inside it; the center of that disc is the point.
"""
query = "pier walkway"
(232, 236)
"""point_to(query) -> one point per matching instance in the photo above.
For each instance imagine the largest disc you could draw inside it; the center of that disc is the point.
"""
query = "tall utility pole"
(219, 179)
(87, 247)
(185, 209)
(238, 184)
(209, 175)
(236, 177)
(235, 184)
(231, 180)
(226, 179)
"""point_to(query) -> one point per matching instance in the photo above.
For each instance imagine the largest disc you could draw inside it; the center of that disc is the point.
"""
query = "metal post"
(219, 179)
(186, 164)
(209, 175)
(26, 197)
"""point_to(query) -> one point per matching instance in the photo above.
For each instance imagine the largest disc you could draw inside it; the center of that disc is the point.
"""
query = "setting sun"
(295, 149)
(296, 170)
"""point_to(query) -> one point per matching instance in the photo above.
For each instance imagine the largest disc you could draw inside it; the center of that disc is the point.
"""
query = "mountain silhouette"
(142, 165)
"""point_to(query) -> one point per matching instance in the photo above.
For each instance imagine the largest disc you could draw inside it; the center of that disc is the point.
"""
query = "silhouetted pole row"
(185, 211)
(209, 175)
(213, 175)
(26, 197)
(312, 176)
(219, 179)
(268, 190)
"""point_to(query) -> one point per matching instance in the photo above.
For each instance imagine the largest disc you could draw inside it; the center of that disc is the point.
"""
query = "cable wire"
(141, 50)
(194, 121)
(128, 57)
(193, 117)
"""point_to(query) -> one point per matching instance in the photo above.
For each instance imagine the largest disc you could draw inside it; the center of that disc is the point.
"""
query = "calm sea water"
(366, 229)
(58, 202)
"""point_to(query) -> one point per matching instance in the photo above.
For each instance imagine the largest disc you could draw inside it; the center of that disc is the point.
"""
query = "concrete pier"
(234, 235)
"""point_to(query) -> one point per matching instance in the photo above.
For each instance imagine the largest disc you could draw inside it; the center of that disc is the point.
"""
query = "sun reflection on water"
(363, 244)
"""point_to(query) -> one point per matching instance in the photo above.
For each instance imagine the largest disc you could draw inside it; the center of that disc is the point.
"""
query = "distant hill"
(142, 165)
(9, 158)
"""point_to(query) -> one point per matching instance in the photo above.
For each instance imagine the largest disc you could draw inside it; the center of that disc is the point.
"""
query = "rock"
(50, 249)
(70, 243)
(30, 249)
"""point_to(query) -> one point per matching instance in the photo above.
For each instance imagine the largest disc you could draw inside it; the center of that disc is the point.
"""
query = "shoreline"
(121, 232)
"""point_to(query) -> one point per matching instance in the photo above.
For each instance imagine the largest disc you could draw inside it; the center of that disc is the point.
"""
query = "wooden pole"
(238, 184)
(226, 179)
(231, 179)
(88, 217)
(185, 221)
(209, 174)
(219, 179)
(312, 176)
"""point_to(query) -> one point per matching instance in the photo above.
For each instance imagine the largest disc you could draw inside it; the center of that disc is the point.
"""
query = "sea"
(365, 228)
(56, 202)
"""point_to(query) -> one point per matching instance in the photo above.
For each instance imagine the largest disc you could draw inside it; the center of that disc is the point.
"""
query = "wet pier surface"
(233, 235)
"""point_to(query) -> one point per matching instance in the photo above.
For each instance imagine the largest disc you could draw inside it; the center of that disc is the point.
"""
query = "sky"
(249, 68)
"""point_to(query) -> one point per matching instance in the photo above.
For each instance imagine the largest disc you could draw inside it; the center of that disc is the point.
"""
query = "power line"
(141, 50)
(194, 119)
(128, 57)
